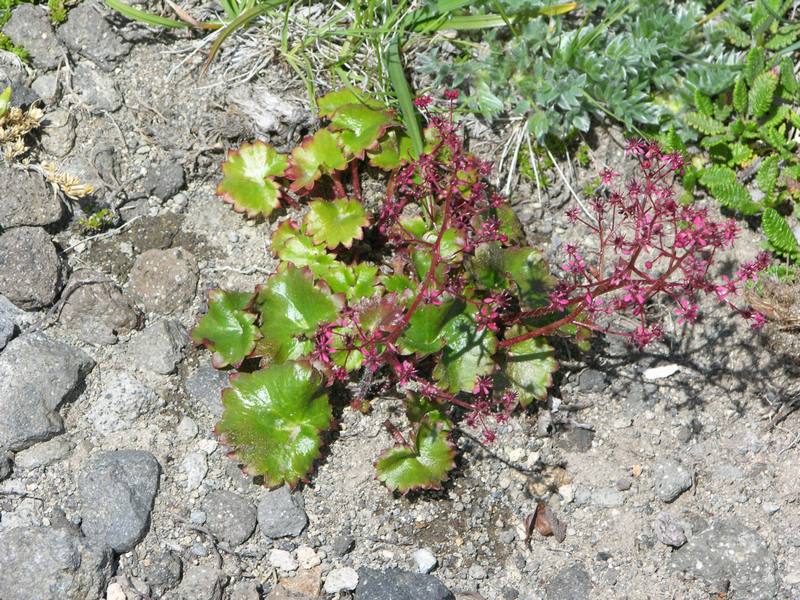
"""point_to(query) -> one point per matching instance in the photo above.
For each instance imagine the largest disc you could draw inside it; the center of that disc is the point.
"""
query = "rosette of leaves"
(358, 296)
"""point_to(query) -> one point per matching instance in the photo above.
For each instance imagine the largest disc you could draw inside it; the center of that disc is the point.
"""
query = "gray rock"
(98, 312)
(229, 516)
(26, 199)
(48, 87)
(607, 497)
(281, 514)
(624, 483)
(87, 33)
(569, 583)
(37, 375)
(245, 590)
(13, 74)
(43, 454)
(6, 464)
(51, 564)
(164, 281)
(671, 480)
(668, 531)
(343, 544)
(730, 552)
(29, 27)
(97, 90)
(395, 584)
(205, 386)
(122, 401)
(202, 583)
(591, 380)
(162, 572)
(159, 348)
(58, 135)
(9, 319)
(163, 180)
(576, 439)
(116, 492)
(30, 270)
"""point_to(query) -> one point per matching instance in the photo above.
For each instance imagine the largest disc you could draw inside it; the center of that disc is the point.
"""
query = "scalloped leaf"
(316, 156)
(227, 329)
(248, 179)
(529, 368)
(721, 182)
(292, 305)
(767, 176)
(467, 355)
(338, 222)
(394, 150)
(426, 328)
(779, 234)
(530, 273)
(704, 124)
(360, 127)
(333, 101)
(273, 419)
(422, 464)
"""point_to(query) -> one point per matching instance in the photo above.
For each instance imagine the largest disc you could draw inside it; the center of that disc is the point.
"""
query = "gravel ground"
(678, 483)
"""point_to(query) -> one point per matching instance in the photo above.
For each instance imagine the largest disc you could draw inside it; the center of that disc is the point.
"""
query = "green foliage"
(336, 309)
(98, 221)
(636, 64)
(748, 130)
(274, 418)
(779, 235)
(422, 463)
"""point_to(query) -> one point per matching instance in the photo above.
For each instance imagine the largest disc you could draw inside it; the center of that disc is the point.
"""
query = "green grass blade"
(397, 76)
(144, 17)
(240, 21)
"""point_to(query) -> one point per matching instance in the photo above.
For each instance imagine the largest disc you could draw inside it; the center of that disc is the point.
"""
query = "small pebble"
(187, 429)
(341, 580)
(307, 558)
(425, 560)
(281, 559)
(477, 572)
(197, 517)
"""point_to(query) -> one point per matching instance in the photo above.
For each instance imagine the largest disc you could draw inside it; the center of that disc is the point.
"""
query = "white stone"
(660, 372)
(122, 401)
(195, 467)
(341, 580)
(115, 592)
(281, 559)
(187, 429)
(425, 560)
(307, 558)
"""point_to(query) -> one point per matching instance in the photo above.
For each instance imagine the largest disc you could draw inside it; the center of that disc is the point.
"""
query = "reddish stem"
(338, 188)
(355, 180)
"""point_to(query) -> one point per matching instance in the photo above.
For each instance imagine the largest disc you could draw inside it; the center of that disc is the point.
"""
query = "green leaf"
(754, 64)
(740, 153)
(338, 222)
(394, 150)
(398, 283)
(273, 419)
(767, 176)
(292, 305)
(779, 234)
(529, 368)
(422, 464)
(530, 273)
(5, 101)
(227, 329)
(145, 17)
(788, 79)
(721, 182)
(487, 266)
(248, 179)
(360, 127)
(467, 355)
(316, 156)
(426, 328)
(333, 101)
(703, 104)
(292, 245)
(740, 95)
(418, 407)
(762, 93)
(704, 124)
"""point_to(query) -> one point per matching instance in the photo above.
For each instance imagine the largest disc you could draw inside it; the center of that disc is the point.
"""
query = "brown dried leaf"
(545, 521)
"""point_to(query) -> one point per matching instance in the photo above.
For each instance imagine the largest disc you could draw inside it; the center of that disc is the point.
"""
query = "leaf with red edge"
(318, 155)
(360, 127)
(394, 150)
(273, 418)
(338, 222)
(248, 179)
(227, 329)
(529, 368)
(423, 463)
